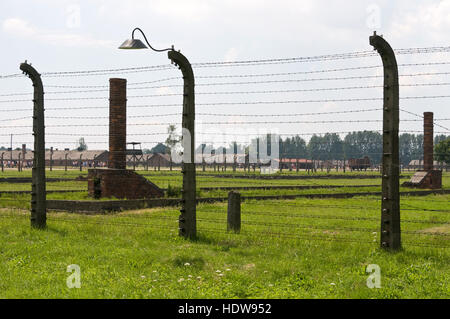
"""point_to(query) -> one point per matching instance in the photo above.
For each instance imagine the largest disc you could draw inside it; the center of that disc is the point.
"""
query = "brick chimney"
(117, 123)
(117, 181)
(428, 141)
(429, 177)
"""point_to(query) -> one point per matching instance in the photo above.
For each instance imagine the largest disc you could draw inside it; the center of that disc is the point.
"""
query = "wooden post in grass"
(234, 212)
(390, 200)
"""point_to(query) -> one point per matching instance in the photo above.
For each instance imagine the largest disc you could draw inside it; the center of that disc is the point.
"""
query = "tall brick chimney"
(428, 141)
(428, 177)
(117, 123)
(117, 181)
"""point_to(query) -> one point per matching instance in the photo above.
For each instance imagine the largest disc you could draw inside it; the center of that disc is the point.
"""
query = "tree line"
(357, 145)
(354, 145)
(329, 146)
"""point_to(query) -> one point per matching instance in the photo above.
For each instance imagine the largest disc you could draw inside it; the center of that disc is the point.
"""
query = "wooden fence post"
(234, 212)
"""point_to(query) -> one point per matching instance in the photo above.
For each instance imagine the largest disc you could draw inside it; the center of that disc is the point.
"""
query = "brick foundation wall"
(433, 180)
(120, 183)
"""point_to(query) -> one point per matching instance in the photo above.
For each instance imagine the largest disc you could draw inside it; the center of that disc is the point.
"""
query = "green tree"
(82, 146)
(410, 147)
(365, 143)
(442, 151)
(173, 139)
(160, 148)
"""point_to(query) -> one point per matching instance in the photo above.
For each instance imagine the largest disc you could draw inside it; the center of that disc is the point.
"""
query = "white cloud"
(22, 28)
(18, 27)
(431, 21)
(164, 90)
(182, 9)
(231, 55)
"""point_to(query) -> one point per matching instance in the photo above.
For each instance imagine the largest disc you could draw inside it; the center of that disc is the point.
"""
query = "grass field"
(303, 248)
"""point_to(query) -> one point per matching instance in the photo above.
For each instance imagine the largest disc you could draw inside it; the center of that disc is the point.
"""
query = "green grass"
(286, 249)
(303, 248)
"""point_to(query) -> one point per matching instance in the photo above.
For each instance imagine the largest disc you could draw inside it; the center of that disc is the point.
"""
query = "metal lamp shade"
(133, 44)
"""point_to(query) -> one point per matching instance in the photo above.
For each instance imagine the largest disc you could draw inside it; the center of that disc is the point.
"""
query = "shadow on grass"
(62, 233)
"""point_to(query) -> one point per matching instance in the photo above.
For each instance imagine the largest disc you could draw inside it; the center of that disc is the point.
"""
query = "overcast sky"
(59, 35)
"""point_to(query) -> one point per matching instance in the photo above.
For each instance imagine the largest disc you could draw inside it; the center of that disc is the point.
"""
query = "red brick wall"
(433, 180)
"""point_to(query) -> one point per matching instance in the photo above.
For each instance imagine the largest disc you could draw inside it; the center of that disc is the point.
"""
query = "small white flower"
(199, 277)
(187, 264)
(142, 276)
(181, 280)
(220, 275)
(218, 271)
(155, 280)
(154, 271)
(332, 284)
(228, 269)
(189, 276)
(270, 285)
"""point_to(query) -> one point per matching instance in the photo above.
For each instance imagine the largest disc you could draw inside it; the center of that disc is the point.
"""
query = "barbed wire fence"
(227, 100)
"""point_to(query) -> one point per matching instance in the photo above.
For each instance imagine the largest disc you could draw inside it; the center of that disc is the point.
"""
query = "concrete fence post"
(188, 216)
(51, 158)
(225, 160)
(234, 212)
(38, 192)
(81, 162)
(390, 204)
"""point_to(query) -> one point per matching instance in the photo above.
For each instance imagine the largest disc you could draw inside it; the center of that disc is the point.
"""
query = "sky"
(61, 36)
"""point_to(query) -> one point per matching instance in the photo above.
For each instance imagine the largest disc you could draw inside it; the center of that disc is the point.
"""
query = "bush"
(173, 191)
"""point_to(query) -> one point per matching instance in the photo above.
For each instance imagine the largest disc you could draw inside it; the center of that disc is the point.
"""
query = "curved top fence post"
(38, 192)
(390, 214)
(187, 220)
